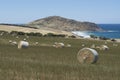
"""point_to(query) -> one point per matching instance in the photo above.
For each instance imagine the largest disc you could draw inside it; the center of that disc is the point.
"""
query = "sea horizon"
(111, 31)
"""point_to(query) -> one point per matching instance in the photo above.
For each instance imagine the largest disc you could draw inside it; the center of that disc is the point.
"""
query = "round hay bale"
(58, 45)
(14, 43)
(23, 44)
(87, 55)
(36, 43)
(104, 47)
(10, 41)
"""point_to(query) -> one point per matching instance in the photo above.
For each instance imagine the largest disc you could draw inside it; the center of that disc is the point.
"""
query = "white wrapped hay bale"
(68, 45)
(58, 45)
(10, 41)
(36, 43)
(87, 55)
(14, 43)
(23, 44)
(104, 47)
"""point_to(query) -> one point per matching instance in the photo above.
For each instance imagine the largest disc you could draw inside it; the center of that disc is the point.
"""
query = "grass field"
(44, 62)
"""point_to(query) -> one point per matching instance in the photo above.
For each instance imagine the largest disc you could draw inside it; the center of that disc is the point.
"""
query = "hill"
(60, 23)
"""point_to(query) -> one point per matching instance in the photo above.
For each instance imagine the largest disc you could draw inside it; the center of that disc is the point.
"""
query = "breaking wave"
(83, 34)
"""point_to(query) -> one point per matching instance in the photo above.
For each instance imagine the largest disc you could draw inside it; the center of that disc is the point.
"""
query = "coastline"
(86, 35)
(117, 40)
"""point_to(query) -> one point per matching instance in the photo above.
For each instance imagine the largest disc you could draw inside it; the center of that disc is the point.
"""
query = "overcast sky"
(24, 11)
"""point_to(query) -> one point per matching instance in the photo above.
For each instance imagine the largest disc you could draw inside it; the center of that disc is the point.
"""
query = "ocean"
(111, 31)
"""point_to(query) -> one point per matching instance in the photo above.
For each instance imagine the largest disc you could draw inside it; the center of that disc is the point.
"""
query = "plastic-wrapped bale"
(23, 44)
(87, 55)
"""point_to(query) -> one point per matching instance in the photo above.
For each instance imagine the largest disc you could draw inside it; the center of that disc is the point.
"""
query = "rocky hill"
(60, 23)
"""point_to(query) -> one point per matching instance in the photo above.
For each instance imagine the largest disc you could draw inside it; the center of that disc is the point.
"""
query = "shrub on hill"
(34, 34)
(13, 32)
(29, 34)
(93, 36)
(103, 38)
(3, 33)
(20, 33)
(54, 35)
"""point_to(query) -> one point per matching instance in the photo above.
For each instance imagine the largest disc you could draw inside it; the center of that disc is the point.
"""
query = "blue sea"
(111, 31)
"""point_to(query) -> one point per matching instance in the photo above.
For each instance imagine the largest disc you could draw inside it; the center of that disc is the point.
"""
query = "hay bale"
(68, 45)
(36, 43)
(115, 45)
(83, 45)
(2, 33)
(87, 55)
(23, 44)
(58, 45)
(10, 41)
(24, 39)
(27, 37)
(93, 46)
(14, 42)
(62, 44)
(17, 37)
(105, 42)
(104, 47)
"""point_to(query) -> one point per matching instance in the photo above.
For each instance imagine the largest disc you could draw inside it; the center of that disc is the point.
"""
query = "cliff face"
(60, 23)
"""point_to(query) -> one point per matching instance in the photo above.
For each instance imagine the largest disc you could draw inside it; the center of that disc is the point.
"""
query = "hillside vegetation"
(10, 28)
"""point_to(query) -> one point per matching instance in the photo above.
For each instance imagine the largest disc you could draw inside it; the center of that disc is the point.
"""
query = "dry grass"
(49, 63)
(29, 30)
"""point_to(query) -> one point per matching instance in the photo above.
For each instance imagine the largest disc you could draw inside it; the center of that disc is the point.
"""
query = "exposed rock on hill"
(60, 23)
